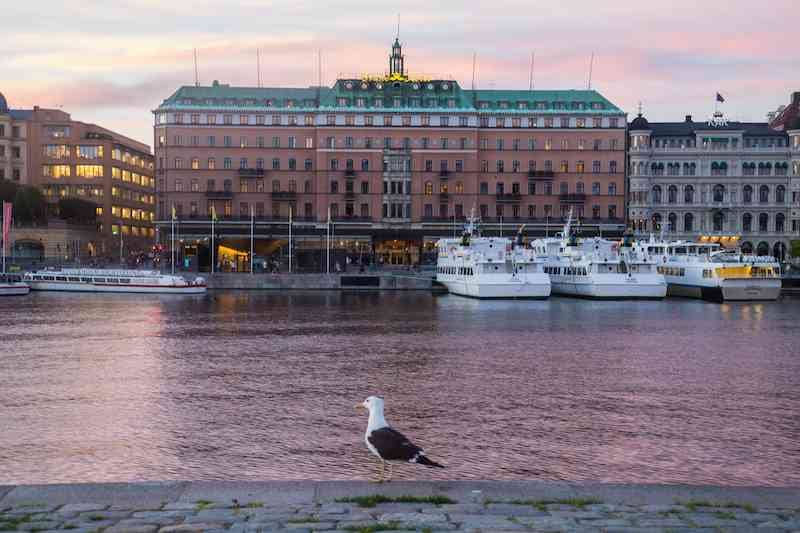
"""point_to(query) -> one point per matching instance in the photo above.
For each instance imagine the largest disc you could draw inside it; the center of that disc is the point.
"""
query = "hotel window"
(531, 165)
(242, 142)
(292, 120)
(292, 163)
(443, 143)
(276, 163)
(52, 151)
(178, 185)
(428, 165)
(369, 120)
(243, 120)
(515, 166)
(459, 165)
(292, 142)
(260, 163)
(484, 122)
(178, 162)
(334, 164)
(484, 166)
(227, 163)
(463, 122)
(564, 122)
(348, 142)
(579, 167)
(309, 120)
(331, 120)
(227, 119)
(613, 124)
(564, 166)
(425, 120)
(307, 165)
(548, 122)
(516, 122)
(500, 166)
(595, 167)
(548, 144)
(564, 144)
(212, 163)
(276, 142)
(195, 186)
(276, 120)
(612, 190)
(309, 142)
(597, 122)
(243, 162)
(387, 142)
(349, 120)
(195, 163)
(227, 141)
(444, 121)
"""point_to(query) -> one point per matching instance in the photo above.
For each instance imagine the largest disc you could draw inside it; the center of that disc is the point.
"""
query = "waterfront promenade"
(178, 507)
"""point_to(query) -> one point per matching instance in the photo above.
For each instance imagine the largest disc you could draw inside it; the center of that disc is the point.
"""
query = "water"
(262, 386)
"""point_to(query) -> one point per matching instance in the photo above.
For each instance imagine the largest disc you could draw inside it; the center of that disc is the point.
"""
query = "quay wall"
(354, 281)
(240, 507)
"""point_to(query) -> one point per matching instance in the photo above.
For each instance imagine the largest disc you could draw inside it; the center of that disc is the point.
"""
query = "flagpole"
(212, 239)
(252, 236)
(290, 239)
(172, 235)
(328, 244)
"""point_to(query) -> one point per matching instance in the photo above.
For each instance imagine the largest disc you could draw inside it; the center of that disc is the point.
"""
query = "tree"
(29, 203)
(77, 210)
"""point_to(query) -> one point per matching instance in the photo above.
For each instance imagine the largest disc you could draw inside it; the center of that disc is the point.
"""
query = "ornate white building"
(733, 181)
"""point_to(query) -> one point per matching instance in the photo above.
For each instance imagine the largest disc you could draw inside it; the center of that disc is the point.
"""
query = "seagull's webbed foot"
(379, 479)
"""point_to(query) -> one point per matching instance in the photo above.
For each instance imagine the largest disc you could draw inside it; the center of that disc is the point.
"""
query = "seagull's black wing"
(394, 446)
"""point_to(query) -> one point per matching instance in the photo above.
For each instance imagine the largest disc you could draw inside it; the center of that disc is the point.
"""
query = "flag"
(720, 98)
(213, 213)
(174, 213)
(7, 207)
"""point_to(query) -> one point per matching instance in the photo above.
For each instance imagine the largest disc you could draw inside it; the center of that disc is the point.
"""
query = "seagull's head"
(371, 404)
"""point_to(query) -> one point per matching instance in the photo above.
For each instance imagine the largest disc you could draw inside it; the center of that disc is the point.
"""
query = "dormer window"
(451, 102)
(270, 102)
(379, 102)
(359, 102)
(541, 105)
(186, 101)
(503, 105)
(483, 105)
(341, 102)
(522, 105)
(397, 101)
(289, 103)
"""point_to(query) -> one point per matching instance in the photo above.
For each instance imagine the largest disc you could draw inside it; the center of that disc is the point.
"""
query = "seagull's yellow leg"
(391, 471)
(380, 477)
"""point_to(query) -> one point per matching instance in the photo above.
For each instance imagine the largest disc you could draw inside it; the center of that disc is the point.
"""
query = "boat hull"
(499, 290)
(612, 290)
(141, 289)
(730, 290)
(14, 289)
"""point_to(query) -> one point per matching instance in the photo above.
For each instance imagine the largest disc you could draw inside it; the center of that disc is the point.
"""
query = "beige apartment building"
(66, 158)
(396, 160)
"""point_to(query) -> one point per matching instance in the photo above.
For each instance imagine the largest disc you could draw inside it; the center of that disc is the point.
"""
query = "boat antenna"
(591, 64)
(258, 66)
(196, 77)
(530, 81)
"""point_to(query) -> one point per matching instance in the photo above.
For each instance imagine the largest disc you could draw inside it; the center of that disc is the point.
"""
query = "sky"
(112, 63)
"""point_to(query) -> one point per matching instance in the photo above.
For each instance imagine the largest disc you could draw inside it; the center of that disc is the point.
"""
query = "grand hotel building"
(396, 161)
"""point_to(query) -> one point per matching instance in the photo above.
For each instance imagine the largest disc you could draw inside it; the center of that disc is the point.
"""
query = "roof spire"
(640, 108)
(397, 35)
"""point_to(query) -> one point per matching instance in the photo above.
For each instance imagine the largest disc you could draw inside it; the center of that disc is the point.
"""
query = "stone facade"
(733, 181)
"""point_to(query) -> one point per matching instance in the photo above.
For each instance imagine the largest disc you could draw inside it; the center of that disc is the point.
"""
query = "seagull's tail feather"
(422, 460)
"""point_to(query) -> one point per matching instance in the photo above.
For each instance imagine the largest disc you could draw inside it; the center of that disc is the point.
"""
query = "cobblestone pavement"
(368, 514)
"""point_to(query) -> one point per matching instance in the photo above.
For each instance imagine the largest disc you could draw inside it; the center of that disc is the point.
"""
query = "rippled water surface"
(262, 386)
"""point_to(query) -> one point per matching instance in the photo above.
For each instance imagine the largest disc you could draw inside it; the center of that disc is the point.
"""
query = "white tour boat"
(705, 270)
(594, 268)
(12, 285)
(103, 280)
(489, 267)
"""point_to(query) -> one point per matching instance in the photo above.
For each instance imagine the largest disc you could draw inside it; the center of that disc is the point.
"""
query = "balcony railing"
(507, 198)
(541, 174)
(219, 194)
(251, 172)
(572, 198)
(284, 195)
(444, 173)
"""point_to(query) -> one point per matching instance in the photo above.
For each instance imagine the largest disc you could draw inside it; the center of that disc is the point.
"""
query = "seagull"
(387, 443)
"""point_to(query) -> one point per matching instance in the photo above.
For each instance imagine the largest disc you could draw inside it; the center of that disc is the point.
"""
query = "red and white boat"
(102, 280)
(12, 285)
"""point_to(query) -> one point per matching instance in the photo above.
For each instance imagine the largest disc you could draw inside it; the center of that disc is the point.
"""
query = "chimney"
(796, 98)
(36, 108)
(688, 118)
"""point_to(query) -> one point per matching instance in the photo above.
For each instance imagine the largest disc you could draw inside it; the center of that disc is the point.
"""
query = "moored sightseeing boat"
(12, 285)
(103, 280)
(705, 270)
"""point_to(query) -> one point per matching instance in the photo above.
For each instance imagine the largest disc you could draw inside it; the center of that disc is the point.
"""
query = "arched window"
(672, 223)
(719, 221)
(672, 194)
(763, 194)
(657, 194)
(747, 247)
(763, 222)
(719, 193)
(747, 194)
(747, 222)
(428, 188)
(656, 221)
(688, 194)
(762, 249)
(780, 194)
(779, 223)
(688, 222)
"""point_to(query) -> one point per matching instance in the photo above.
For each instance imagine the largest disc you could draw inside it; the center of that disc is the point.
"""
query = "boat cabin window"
(47, 278)
(74, 278)
(123, 280)
(680, 250)
(111, 280)
(86, 280)
(61, 278)
(99, 280)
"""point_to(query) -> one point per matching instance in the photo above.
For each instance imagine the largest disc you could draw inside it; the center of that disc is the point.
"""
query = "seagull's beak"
(360, 406)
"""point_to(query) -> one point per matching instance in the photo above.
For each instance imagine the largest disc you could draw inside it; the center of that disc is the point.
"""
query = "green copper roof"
(382, 95)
